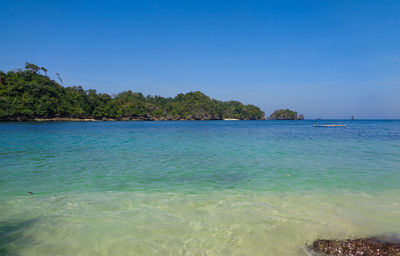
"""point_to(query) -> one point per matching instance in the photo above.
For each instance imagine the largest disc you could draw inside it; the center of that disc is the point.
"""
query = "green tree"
(32, 67)
(26, 94)
(44, 70)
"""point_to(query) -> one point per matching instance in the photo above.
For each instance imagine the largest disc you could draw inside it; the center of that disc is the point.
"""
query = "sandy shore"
(71, 119)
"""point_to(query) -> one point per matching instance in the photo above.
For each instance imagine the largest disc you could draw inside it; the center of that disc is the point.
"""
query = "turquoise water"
(194, 187)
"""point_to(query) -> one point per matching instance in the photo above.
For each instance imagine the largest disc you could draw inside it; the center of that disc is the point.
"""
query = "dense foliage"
(28, 94)
(285, 114)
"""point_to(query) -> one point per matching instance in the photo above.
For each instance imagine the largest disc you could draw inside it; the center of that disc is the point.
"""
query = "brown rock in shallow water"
(363, 246)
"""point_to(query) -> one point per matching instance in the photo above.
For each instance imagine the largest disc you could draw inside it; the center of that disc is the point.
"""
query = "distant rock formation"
(285, 114)
(360, 246)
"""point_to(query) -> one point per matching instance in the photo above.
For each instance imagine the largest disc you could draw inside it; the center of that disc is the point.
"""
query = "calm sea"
(195, 187)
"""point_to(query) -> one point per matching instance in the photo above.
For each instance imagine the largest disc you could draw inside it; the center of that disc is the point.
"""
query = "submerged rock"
(357, 247)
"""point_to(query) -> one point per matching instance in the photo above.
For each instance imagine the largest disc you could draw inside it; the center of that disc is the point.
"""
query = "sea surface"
(195, 187)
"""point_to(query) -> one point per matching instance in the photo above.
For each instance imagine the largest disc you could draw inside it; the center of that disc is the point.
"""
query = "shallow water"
(194, 188)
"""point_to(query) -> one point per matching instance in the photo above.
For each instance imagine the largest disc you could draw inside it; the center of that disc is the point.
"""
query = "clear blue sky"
(328, 59)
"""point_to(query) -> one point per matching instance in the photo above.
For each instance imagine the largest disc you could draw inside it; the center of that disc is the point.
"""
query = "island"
(285, 114)
(30, 95)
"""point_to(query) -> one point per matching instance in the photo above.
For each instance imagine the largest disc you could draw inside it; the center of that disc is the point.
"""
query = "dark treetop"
(28, 95)
(285, 114)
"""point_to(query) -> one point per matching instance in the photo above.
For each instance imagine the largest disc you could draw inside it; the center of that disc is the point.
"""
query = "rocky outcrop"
(285, 114)
(382, 246)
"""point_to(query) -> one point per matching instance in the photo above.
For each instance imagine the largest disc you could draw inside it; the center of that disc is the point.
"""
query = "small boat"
(329, 125)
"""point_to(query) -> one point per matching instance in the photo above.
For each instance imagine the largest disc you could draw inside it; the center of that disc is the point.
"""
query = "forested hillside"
(29, 94)
(285, 114)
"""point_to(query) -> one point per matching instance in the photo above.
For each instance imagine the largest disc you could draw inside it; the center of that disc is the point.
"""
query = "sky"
(324, 59)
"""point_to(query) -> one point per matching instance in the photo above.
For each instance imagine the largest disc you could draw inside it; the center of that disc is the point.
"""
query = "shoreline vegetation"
(30, 95)
(67, 119)
(285, 114)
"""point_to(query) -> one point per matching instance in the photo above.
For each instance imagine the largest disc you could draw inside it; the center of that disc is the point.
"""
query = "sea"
(195, 187)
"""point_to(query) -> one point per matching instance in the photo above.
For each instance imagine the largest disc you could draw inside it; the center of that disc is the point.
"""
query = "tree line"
(285, 114)
(29, 93)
